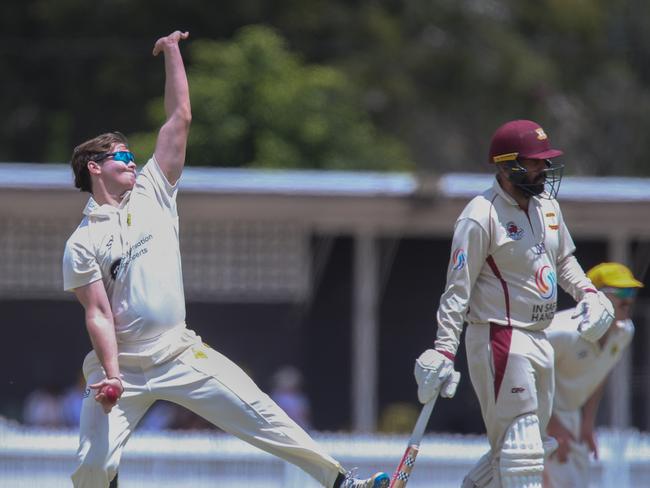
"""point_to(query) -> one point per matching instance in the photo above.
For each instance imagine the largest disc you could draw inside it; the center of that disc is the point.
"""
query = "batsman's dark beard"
(535, 187)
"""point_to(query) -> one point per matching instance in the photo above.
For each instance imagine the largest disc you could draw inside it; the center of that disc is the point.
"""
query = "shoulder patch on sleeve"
(458, 259)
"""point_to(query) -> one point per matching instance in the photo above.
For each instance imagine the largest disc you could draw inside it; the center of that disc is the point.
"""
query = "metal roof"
(233, 180)
(332, 183)
(582, 188)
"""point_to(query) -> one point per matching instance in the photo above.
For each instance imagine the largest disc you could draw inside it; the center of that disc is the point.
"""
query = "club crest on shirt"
(614, 350)
(458, 259)
(514, 231)
(546, 281)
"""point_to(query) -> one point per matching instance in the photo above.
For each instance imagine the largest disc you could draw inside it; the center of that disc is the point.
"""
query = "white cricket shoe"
(377, 480)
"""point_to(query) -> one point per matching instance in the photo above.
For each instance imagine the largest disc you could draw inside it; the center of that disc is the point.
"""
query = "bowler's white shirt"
(134, 250)
(505, 266)
(581, 366)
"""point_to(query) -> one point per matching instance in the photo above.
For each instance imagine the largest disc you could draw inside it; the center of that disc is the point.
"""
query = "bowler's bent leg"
(103, 436)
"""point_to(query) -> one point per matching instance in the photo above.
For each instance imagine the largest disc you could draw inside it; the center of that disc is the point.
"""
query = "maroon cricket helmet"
(520, 139)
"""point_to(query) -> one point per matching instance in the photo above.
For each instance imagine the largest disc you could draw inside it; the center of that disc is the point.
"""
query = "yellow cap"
(615, 275)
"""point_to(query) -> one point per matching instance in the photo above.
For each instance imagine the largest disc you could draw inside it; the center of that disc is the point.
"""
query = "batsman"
(510, 250)
(123, 263)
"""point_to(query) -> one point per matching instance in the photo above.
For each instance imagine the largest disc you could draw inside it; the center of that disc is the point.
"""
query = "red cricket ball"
(111, 393)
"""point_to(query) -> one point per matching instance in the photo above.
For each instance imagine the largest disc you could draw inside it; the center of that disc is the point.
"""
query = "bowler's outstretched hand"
(171, 40)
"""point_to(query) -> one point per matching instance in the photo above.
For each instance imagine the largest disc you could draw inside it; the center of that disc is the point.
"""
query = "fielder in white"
(123, 264)
(581, 371)
(510, 250)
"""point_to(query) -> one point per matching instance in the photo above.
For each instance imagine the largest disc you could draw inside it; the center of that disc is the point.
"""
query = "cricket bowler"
(581, 372)
(510, 250)
(123, 263)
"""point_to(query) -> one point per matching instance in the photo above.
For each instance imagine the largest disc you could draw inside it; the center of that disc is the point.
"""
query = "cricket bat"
(404, 468)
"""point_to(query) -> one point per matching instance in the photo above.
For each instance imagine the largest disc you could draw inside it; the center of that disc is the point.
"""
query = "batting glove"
(434, 373)
(596, 313)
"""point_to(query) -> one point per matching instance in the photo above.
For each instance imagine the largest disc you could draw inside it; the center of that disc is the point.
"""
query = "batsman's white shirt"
(134, 250)
(505, 266)
(502, 278)
(581, 366)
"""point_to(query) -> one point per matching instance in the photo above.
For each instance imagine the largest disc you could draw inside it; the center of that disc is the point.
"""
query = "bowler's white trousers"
(183, 370)
(574, 473)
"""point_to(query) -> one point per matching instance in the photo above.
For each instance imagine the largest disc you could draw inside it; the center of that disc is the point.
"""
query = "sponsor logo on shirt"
(458, 259)
(517, 389)
(545, 311)
(514, 231)
(539, 249)
(114, 268)
(135, 251)
(546, 281)
(552, 220)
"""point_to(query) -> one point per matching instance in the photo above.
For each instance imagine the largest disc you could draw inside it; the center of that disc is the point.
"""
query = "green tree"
(255, 103)
(439, 75)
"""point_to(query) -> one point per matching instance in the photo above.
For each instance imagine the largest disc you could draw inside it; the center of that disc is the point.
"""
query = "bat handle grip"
(423, 420)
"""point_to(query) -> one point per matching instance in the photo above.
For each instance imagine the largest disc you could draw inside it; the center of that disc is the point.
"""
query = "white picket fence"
(44, 458)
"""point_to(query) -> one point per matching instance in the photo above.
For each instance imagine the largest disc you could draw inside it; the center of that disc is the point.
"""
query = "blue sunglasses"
(123, 156)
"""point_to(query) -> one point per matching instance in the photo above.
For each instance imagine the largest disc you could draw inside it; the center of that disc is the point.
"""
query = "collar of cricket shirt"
(502, 193)
(93, 209)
